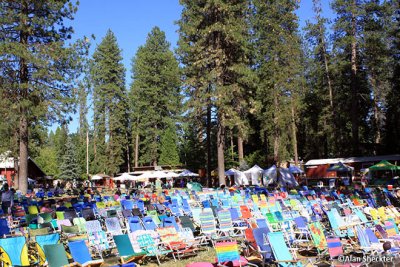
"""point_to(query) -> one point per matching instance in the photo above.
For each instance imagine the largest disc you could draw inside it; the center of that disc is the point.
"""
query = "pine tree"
(279, 69)
(38, 69)
(320, 83)
(155, 94)
(169, 147)
(110, 106)
(213, 49)
(69, 167)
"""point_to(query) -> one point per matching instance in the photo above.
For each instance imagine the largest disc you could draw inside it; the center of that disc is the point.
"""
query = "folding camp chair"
(318, 236)
(14, 251)
(96, 236)
(228, 252)
(80, 253)
(148, 245)
(263, 246)
(88, 214)
(282, 254)
(125, 249)
(171, 238)
(225, 224)
(41, 241)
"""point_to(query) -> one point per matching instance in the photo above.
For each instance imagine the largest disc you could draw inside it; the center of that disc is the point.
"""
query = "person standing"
(7, 199)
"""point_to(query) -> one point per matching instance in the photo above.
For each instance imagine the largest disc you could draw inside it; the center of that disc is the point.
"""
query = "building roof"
(314, 162)
(8, 163)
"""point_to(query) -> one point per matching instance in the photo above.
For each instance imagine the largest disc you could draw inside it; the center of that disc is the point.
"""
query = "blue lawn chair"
(134, 224)
(281, 252)
(149, 223)
(264, 248)
(80, 253)
(170, 221)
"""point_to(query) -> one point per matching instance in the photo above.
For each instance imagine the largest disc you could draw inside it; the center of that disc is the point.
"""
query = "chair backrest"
(74, 229)
(42, 240)
(128, 204)
(56, 255)
(170, 221)
(81, 223)
(300, 222)
(4, 228)
(149, 223)
(318, 236)
(261, 238)
(246, 214)
(207, 222)
(113, 225)
(279, 247)
(124, 245)
(15, 251)
(186, 222)
(93, 226)
(88, 213)
(79, 251)
(134, 223)
(225, 220)
(70, 214)
(261, 223)
(227, 251)
(371, 236)
(335, 248)
(127, 213)
(381, 231)
(33, 210)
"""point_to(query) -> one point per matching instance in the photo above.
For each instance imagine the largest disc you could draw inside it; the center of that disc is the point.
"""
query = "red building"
(8, 169)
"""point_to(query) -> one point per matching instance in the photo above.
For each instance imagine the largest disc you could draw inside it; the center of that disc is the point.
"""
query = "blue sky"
(132, 20)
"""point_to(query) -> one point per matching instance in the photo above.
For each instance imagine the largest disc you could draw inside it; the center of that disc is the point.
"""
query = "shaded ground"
(206, 256)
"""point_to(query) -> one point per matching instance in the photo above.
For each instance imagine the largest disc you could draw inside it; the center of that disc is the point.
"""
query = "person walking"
(7, 199)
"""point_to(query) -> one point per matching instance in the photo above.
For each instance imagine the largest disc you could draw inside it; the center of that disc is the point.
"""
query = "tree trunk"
(232, 149)
(354, 86)
(22, 183)
(208, 143)
(377, 111)
(220, 150)
(137, 151)
(128, 158)
(23, 155)
(276, 128)
(294, 137)
(240, 149)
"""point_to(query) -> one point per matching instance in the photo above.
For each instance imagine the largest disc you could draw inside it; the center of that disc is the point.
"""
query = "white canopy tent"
(187, 173)
(171, 175)
(125, 177)
(99, 176)
(254, 173)
(241, 178)
(286, 177)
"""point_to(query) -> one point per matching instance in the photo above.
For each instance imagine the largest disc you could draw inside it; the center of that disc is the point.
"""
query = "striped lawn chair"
(151, 249)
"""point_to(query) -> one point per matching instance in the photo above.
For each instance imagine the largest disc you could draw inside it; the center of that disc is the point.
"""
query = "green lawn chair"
(125, 249)
(56, 256)
(153, 214)
(42, 240)
(272, 221)
(148, 245)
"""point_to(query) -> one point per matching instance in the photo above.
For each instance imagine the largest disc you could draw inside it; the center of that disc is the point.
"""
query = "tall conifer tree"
(155, 94)
(110, 106)
(38, 69)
